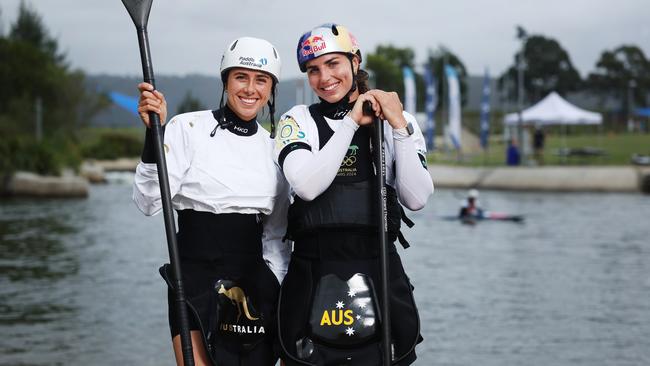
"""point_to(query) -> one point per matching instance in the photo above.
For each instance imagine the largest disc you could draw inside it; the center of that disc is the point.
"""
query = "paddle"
(380, 165)
(139, 12)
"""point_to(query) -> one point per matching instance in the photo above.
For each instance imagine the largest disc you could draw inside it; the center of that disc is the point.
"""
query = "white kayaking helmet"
(251, 53)
(473, 193)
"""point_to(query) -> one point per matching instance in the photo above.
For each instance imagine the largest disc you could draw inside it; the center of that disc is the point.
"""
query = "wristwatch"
(405, 131)
(409, 128)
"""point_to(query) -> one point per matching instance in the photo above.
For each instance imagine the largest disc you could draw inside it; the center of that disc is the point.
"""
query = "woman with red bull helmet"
(324, 151)
(231, 202)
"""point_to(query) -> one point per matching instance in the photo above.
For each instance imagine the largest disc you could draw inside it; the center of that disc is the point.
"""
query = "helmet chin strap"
(222, 122)
(354, 82)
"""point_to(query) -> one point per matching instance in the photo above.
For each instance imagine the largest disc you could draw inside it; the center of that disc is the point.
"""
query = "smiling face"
(248, 91)
(330, 76)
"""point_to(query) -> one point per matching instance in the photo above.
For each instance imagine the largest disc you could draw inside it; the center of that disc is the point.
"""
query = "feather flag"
(454, 106)
(485, 111)
(409, 90)
(430, 106)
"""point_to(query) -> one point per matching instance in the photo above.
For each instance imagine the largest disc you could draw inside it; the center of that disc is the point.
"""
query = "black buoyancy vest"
(349, 201)
(205, 235)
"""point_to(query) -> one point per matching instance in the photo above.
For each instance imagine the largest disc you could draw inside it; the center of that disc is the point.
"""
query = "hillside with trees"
(43, 102)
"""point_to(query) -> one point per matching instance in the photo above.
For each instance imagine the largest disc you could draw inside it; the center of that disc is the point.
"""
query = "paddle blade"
(139, 11)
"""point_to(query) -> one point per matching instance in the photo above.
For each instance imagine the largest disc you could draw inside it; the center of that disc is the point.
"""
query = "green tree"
(2, 25)
(189, 104)
(437, 60)
(623, 73)
(547, 68)
(386, 64)
(31, 68)
(29, 28)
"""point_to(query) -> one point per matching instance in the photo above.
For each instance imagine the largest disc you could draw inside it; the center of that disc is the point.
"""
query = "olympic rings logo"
(286, 131)
(349, 160)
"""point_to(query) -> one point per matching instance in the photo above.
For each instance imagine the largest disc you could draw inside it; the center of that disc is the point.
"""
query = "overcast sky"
(188, 36)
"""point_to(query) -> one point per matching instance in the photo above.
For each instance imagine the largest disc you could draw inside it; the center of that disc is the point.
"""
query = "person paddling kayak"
(470, 207)
(471, 211)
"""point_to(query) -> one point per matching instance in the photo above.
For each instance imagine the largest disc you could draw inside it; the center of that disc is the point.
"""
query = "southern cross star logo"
(348, 312)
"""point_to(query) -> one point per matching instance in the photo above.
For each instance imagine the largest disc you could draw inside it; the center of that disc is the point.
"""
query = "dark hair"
(362, 81)
(271, 104)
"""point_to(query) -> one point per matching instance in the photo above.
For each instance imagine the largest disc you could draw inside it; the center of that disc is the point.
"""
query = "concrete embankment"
(118, 165)
(95, 170)
(569, 179)
(25, 184)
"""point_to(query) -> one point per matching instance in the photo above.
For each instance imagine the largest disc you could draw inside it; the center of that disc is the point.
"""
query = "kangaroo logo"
(238, 298)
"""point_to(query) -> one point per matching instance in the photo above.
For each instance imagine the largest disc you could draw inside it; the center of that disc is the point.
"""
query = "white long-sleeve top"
(226, 173)
(311, 171)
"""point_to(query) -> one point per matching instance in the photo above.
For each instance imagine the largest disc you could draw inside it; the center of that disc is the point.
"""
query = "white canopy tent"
(554, 110)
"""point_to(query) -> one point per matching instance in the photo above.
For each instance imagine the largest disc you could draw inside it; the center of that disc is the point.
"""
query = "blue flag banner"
(127, 102)
(430, 106)
(454, 106)
(409, 90)
(485, 111)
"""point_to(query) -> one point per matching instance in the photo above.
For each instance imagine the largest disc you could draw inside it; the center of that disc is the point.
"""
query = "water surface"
(570, 286)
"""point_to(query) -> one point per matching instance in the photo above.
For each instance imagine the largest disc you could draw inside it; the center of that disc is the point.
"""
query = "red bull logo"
(353, 39)
(312, 45)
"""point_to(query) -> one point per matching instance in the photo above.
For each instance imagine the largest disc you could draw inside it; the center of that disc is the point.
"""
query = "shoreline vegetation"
(48, 169)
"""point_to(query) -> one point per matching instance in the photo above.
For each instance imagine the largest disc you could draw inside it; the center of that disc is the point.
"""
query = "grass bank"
(617, 149)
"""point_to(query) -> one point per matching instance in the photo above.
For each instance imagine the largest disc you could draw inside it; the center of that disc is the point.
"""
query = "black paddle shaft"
(139, 11)
(380, 176)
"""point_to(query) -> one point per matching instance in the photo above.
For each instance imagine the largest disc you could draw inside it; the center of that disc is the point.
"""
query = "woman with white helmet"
(328, 310)
(231, 202)
(470, 207)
